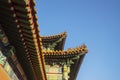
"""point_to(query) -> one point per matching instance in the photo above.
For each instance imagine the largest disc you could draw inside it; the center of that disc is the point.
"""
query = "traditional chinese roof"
(19, 21)
(70, 53)
(57, 41)
(74, 54)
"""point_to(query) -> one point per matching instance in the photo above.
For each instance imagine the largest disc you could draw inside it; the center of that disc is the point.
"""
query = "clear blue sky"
(93, 22)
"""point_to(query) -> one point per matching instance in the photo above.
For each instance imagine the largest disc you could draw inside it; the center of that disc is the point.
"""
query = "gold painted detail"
(73, 51)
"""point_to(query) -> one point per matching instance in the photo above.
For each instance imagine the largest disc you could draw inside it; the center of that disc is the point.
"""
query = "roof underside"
(74, 54)
(20, 24)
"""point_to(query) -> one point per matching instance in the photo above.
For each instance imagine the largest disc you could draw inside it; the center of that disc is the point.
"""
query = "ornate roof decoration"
(55, 42)
(54, 36)
(20, 23)
(66, 54)
(72, 57)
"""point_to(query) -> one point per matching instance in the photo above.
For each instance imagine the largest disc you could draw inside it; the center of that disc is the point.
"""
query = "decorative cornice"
(64, 34)
(71, 52)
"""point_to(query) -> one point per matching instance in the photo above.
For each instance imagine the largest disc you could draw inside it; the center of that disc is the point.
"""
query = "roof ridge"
(56, 35)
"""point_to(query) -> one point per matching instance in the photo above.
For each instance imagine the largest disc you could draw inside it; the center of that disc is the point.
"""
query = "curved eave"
(54, 36)
(51, 39)
(75, 54)
(20, 24)
(70, 53)
(75, 68)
